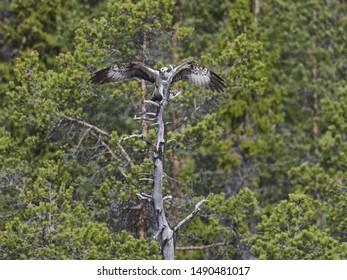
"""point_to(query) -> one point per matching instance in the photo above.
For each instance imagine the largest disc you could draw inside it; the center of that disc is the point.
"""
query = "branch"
(111, 153)
(144, 119)
(159, 232)
(175, 180)
(148, 113)
(85, 124)
(145, 196)
(174, 94)
(146, 179)
(171, 140)
(203, 247)
(140, 136)
(125, 155)
(168, 197)
(190, 216)
(144, 173)
(137, 207)
(152, 103)
(80, 141)
(93, 129)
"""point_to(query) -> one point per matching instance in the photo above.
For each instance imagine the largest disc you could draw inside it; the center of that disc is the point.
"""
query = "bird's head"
(164, 73)
(163, 69)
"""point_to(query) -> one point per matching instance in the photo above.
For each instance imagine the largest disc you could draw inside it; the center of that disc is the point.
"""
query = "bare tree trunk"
(141, 221)
(256, 10)
(165, 233)
(176, 22)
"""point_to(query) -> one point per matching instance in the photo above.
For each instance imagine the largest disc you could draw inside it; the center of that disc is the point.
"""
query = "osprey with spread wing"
(190, 71)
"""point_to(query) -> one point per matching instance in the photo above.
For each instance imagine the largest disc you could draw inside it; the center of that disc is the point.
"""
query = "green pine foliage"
(287, 232)
(225, 221)
(268, 154)
(51, 224)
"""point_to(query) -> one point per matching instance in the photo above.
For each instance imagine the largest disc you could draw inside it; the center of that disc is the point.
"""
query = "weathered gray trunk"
(165, 233)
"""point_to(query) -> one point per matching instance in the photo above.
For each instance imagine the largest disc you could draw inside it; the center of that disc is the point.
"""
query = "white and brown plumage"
(190, 71)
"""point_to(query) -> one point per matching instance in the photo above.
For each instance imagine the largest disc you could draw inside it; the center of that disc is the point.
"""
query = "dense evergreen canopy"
(269, 153)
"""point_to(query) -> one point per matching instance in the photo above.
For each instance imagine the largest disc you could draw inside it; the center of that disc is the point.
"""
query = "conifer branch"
(88, 125)
(92, 129)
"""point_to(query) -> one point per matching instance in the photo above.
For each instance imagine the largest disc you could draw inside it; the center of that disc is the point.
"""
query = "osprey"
(190, 71)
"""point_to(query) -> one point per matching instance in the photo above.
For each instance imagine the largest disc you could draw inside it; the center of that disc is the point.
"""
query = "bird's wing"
(198, 75)
(124, 71)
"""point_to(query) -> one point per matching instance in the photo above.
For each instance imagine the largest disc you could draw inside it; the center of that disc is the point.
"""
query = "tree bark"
(256, 10)
(165, 233)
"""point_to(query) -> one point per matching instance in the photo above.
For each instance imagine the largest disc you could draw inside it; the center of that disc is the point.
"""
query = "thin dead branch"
(190, 216)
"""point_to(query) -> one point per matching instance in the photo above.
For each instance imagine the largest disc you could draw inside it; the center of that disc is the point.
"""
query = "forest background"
(269, 154)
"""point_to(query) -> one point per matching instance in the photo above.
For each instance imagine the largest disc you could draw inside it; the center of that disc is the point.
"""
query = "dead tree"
(162, 79)
(165, 233)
